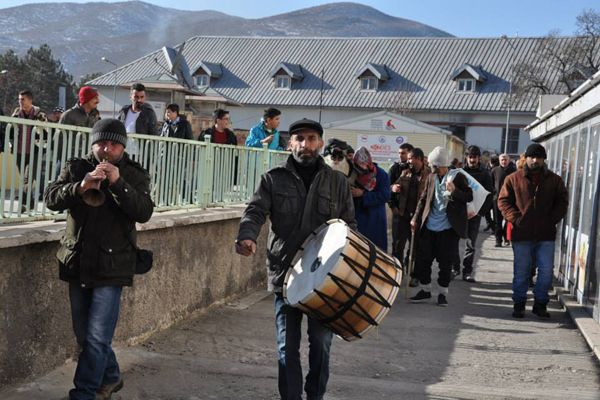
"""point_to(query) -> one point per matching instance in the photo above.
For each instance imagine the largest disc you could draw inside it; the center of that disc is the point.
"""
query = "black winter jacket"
(180, 130)
(483, 176)
(96, 249)
(499, 174)
(394, 174)
(294, 213)
(146, 123)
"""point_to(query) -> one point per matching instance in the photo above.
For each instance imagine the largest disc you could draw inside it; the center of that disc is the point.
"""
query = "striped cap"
(109, 129)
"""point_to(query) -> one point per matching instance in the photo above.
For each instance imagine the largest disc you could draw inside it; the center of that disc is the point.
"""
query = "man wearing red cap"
(85, 112)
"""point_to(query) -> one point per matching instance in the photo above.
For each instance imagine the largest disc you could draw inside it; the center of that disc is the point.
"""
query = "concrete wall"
(195, 266)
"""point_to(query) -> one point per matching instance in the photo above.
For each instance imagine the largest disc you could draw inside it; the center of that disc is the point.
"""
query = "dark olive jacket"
(533, 211)
(97, 248)
(457, 204)
(77, 116)
(294, 213)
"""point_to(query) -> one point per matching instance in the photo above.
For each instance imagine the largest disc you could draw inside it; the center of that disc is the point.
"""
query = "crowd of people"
(428, 198)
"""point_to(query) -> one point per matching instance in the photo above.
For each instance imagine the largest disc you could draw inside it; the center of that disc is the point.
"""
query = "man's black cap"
(306, 124)
(536, 150)
(474, 151)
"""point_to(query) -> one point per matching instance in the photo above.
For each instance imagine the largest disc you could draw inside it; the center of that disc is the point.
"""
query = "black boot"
(519, 310)
(539, 309)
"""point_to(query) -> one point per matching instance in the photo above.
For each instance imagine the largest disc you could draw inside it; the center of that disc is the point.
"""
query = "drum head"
(321, 254)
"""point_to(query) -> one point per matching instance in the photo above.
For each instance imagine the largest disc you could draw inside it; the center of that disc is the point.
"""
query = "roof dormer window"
(284, 73)
(371, 76)
(283, 82)
(467, 77)
(206, 72)
(202, 80)
(368, 83)
(466, 85)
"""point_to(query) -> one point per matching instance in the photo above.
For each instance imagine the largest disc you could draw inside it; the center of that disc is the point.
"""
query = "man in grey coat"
(299, 196)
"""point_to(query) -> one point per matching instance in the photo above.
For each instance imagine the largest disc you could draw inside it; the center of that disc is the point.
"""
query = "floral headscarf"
(366, 170)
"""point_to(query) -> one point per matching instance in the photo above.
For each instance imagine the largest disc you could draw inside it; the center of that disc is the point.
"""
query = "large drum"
(342, 279)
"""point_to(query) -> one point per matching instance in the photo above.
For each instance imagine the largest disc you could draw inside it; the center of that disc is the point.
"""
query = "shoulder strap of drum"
(333, 202)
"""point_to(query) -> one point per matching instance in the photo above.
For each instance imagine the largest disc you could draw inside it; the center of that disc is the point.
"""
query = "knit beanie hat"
(535, 150)
(109, 129)
(87, 93)
(438, 157)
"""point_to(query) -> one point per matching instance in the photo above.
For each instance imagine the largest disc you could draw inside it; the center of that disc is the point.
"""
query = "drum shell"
(342, 284)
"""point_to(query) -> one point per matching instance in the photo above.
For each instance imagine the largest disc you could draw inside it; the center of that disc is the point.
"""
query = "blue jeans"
(288, 321)
(524, 254)
(94, 313)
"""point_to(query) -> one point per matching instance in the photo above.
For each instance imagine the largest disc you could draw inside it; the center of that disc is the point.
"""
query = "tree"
(588, 26)
(560, 64)
(37, 71)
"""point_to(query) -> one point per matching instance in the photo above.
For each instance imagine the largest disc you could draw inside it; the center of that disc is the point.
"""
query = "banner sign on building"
(382, 147)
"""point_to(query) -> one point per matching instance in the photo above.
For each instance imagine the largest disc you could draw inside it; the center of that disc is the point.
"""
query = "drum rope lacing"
(338, 316)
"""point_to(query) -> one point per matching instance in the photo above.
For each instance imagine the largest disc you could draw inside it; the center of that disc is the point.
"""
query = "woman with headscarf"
(371, 192)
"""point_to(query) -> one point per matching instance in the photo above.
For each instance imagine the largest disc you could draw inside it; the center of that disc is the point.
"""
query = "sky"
(462, 18)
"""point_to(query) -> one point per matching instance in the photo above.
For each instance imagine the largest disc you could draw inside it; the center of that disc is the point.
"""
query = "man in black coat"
(499, 173)
(176, 126)
(138, 116)
(299, 196)
(482, 175)
(97, 256)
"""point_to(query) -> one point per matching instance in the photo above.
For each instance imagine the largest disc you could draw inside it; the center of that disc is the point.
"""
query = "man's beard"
(534, 167)
(305, 157)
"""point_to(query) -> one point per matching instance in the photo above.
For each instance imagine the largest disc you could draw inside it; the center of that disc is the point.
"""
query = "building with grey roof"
(457, 84)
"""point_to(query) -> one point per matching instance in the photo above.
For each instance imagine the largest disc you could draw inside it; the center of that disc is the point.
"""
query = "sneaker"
(519, 310)
(106, 391)
(507, 243)
(414, 282)
(442, 302)
(468, 278)
(421, 296)
(539, 309)
(498, 244)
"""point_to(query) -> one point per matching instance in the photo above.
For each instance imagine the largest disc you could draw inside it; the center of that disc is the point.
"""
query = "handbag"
(143, 261)
(143, 258)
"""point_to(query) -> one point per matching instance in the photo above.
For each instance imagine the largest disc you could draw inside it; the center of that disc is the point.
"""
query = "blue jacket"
(370, 211)
(258, 133)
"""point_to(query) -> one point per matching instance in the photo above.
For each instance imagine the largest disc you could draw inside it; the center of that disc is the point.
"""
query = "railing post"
(209, 161)
(265, 158)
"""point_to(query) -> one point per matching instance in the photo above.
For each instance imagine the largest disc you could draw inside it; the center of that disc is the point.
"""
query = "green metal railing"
(183, 173)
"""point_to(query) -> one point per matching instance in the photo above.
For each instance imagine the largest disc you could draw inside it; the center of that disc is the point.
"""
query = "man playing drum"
(299, 196)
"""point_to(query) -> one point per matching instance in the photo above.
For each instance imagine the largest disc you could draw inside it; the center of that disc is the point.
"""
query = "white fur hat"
(438, 157)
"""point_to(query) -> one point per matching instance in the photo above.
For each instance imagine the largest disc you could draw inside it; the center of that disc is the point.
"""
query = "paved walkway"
(472, 349)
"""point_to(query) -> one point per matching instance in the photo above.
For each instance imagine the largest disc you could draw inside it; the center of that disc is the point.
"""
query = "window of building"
(283, 82)
(513, 141)
(202, 80)
(466, 85)
(368, 83)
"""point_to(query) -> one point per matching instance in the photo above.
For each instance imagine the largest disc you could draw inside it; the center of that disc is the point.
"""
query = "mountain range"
(80, 34)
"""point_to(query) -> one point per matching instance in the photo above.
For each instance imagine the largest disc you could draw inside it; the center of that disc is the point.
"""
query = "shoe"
(106, 391)
(507, 243)
(468, 278)
(539, 309)
(421, 296)
(442, 302)
(498, 244)
(519, 310)
(414, 282)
